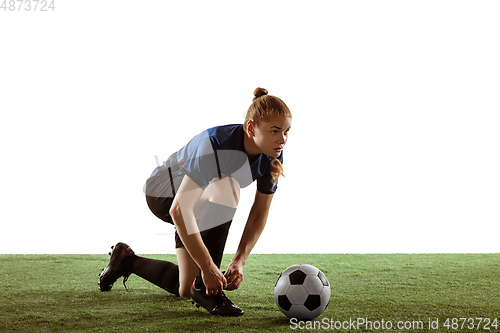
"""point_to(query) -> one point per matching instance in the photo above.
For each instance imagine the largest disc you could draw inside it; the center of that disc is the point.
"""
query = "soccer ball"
(302, 291)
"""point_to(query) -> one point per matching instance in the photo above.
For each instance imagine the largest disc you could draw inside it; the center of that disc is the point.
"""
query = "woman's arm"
(182, 212)
(255, 224)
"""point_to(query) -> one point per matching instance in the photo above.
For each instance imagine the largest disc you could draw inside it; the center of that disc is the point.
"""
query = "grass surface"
(59, 293)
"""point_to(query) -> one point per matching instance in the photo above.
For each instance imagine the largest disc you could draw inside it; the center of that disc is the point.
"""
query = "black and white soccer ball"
(302, 291)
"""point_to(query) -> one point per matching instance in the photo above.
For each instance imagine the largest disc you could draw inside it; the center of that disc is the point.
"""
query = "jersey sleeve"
(198, 160)
(266, 184)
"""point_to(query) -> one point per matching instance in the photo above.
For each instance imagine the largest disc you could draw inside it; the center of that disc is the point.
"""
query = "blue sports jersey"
(217, 152)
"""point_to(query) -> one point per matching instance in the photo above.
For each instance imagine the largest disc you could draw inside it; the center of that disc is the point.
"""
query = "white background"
(394, 145)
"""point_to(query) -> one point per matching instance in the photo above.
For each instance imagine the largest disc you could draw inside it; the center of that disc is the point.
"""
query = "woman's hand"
(234, 275)
(214, 280)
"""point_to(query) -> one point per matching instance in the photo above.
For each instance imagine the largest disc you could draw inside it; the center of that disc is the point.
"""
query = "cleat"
(115, 270)
(217, 305)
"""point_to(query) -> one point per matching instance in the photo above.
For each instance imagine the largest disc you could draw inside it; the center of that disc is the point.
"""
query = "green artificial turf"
(59, 293)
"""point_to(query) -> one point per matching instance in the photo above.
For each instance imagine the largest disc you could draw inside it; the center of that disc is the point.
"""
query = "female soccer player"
(197, 189)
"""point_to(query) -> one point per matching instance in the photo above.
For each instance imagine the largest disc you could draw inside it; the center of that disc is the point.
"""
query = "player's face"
(271, 135)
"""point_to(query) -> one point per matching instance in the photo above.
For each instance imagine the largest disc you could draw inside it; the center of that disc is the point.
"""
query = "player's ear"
(251, 127)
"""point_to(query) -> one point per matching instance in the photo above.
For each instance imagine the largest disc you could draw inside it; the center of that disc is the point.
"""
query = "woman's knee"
(185, 292)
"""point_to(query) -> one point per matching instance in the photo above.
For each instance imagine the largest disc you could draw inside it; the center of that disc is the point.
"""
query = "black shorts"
(160, 193)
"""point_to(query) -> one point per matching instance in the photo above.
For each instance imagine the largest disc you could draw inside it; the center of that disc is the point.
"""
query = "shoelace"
(223, 299)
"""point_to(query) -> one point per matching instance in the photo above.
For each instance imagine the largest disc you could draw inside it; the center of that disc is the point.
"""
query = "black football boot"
(217, 305)
(114, 270)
